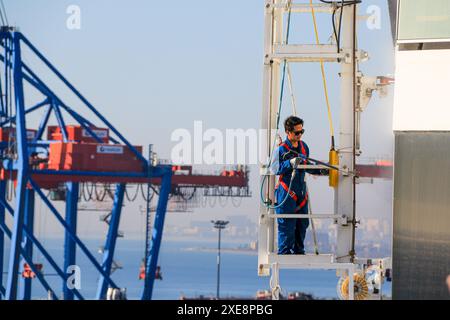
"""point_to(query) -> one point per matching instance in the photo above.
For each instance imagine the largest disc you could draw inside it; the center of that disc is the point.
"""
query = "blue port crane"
(17, 166)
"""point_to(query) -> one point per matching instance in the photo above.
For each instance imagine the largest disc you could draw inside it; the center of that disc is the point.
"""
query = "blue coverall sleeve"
(282, 166)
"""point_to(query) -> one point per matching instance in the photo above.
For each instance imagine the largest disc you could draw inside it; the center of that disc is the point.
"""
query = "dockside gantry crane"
(69, 157)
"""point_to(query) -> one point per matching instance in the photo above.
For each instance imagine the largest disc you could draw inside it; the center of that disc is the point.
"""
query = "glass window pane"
(424, 19)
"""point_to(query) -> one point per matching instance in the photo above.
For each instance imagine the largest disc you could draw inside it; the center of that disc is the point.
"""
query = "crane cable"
(3, 15)
(324, 80)
(291, 90)
(2, 20)
(285, 65)
(313, 227)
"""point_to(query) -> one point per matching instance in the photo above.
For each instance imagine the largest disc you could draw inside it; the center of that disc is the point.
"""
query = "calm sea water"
(187, 272)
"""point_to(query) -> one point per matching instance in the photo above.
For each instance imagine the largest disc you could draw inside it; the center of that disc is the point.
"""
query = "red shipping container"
(7, 134)
(184, 170)
(78, 134)
(93, 157)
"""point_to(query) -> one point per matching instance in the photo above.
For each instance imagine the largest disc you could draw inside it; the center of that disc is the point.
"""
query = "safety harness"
(292, 194)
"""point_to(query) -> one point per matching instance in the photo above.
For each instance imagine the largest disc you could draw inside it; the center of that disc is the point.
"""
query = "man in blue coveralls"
(291, 232)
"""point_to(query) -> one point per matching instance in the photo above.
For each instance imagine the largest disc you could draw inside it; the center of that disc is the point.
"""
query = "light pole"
(219, 225)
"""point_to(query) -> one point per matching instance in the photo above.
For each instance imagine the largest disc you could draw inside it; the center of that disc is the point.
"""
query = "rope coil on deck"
(361, 289)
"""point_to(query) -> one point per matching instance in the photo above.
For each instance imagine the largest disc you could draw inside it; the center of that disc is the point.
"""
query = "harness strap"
(292, 194)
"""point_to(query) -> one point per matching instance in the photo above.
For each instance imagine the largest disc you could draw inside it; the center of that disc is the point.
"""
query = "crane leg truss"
(30, 180)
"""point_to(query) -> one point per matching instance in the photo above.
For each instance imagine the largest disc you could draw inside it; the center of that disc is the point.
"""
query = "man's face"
(296, 134)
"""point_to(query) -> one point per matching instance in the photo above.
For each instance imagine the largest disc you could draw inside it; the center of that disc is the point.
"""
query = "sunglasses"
(297, 133)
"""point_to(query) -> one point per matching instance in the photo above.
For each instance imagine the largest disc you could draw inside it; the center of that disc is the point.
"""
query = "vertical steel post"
(7, 55)
(150, 264)
(43, 124)
(27, 245)
(2, 234)
(218, 265)
(70, 248)
(22, 171)
(148, 225)
(111, 238)
(219, 225)
(344, 191)
(271, 93)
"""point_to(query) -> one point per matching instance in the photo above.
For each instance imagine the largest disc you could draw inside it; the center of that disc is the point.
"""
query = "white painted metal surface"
(421, 98)
(273, 32)
(306, 53)
(344, 191)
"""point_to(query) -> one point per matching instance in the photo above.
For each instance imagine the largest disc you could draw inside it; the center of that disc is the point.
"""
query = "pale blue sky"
(154, 66)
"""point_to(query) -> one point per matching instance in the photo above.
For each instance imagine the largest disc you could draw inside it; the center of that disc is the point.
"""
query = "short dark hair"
(291, 122)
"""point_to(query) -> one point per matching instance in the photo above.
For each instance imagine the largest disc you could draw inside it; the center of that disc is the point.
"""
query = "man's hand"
(295, 162)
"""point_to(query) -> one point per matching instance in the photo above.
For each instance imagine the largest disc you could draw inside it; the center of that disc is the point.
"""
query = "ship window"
(424, 20)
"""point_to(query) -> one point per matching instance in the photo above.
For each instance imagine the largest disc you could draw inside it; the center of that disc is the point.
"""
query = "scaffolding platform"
(304, 261)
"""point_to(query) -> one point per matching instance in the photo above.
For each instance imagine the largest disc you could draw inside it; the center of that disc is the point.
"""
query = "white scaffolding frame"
(276, 52)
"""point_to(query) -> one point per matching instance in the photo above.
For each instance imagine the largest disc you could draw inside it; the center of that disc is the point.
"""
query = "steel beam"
(305, 7)
(344, 191)
(44, 252)
(40, 277)
(21, 235)
(158, 226)
(37, 83)
(33, 108)
(82, 98)
(27, 245)
(43, 124)
(306, 53)
(273, 34)
(60, 119)
(28, 260)
(2, 234)
(110, 245)
(73, 236)
(70, 248)
(22, 153)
